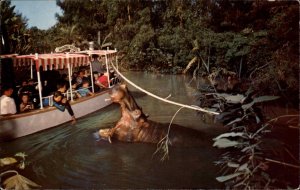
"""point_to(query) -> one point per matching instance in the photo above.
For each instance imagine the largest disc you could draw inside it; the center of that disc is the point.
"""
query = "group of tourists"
(26, 99)
(56, 85)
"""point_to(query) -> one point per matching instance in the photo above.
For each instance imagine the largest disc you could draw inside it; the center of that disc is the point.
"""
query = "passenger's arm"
(59, 106)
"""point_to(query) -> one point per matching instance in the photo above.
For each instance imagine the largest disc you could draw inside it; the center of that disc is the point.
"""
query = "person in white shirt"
(7, 104)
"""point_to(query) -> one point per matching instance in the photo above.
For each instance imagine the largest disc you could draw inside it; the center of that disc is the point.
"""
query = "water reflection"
(68, 157)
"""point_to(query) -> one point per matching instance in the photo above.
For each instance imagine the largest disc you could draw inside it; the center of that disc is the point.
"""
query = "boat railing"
(67, 94)
(50, 99)
(114, 81)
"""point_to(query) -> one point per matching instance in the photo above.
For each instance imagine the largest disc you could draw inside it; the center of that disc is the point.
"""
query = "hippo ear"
(123, 86)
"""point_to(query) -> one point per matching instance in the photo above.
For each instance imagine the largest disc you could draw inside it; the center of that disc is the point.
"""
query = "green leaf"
(231, 98)
(19, 182)
(21, 154)
(243, 167)
(233, 165)
(265, 98)
(232, 134)
(225, 143)
(7, 161)
(247, 106)
(228, 177)
(234, 121)
(258, 100)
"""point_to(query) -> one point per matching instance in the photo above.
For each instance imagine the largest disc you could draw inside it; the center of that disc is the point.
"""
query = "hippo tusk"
(109, 139)
(107, 99)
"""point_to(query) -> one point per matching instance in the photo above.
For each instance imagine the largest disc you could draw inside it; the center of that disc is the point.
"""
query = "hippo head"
(121, 95)
(118, 93)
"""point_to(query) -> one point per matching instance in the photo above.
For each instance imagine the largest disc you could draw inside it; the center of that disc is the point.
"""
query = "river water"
(68, 157)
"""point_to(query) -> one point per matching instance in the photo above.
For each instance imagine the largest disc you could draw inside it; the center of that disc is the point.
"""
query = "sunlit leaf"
(231, 98)
(22, 165)
(243, 167)
(228, 177)
(232, 134)
(258, 100)
(257, 119)
(7, 161)
(234, 121)
(19, 182)
(265, 98)
(247, 106)
(21, 154)
(233, 165)
(225, 143)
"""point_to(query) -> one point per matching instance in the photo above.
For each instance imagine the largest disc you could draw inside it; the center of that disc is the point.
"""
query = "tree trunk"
(128, 12)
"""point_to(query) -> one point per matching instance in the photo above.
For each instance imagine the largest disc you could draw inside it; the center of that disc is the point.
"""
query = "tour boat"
(19, 125)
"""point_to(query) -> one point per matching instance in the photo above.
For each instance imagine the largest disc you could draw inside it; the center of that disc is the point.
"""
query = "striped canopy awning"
(8, 56)
(59, 60)
(51, 61)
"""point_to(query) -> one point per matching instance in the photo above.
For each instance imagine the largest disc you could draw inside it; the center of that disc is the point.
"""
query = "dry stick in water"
(162, 145)
(282, 163)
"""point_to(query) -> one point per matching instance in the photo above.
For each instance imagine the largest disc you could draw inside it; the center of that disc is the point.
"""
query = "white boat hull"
(20, 125)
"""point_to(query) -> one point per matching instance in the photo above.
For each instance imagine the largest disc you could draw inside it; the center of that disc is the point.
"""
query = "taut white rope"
(163, 99)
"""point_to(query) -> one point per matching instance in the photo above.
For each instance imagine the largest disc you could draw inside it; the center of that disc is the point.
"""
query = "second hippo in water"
(134, 125)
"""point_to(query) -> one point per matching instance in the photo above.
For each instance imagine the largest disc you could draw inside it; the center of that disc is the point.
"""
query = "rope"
(193, 107)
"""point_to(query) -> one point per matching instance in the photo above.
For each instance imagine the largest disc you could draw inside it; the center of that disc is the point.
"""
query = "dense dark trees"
(257, 39)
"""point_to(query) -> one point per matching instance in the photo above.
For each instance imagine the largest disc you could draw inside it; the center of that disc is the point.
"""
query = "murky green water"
(68, 156)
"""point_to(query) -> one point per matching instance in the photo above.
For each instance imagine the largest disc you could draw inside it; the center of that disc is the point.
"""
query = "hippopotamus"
(134, 125)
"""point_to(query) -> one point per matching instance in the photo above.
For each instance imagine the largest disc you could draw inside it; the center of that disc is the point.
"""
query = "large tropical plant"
(14, 24)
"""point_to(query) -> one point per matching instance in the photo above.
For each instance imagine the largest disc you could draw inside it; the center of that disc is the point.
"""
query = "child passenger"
(61, 103)
(74, 89)
(84, 91)
(25, 104)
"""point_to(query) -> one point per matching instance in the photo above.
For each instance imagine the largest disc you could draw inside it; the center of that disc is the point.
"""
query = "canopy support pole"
(31, 69)
(117, 59)
(106, 62)
(39, 79)
(72, 69)
(92, 77)
(70, 77)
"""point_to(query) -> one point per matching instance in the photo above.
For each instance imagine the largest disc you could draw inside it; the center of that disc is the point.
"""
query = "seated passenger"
(81, 77)
(97, 86)
(74, 75)
(74, 90)
(113, 77)
(7, 104)
(29, 88)
(103, 80)
(32, 92)
(96, 65)
(25, 104)
(23, 84)
(61, 103)
(84, 90)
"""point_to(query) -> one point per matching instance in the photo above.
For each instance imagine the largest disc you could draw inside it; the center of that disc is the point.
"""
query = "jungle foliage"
(250, 158)
(256, 39)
